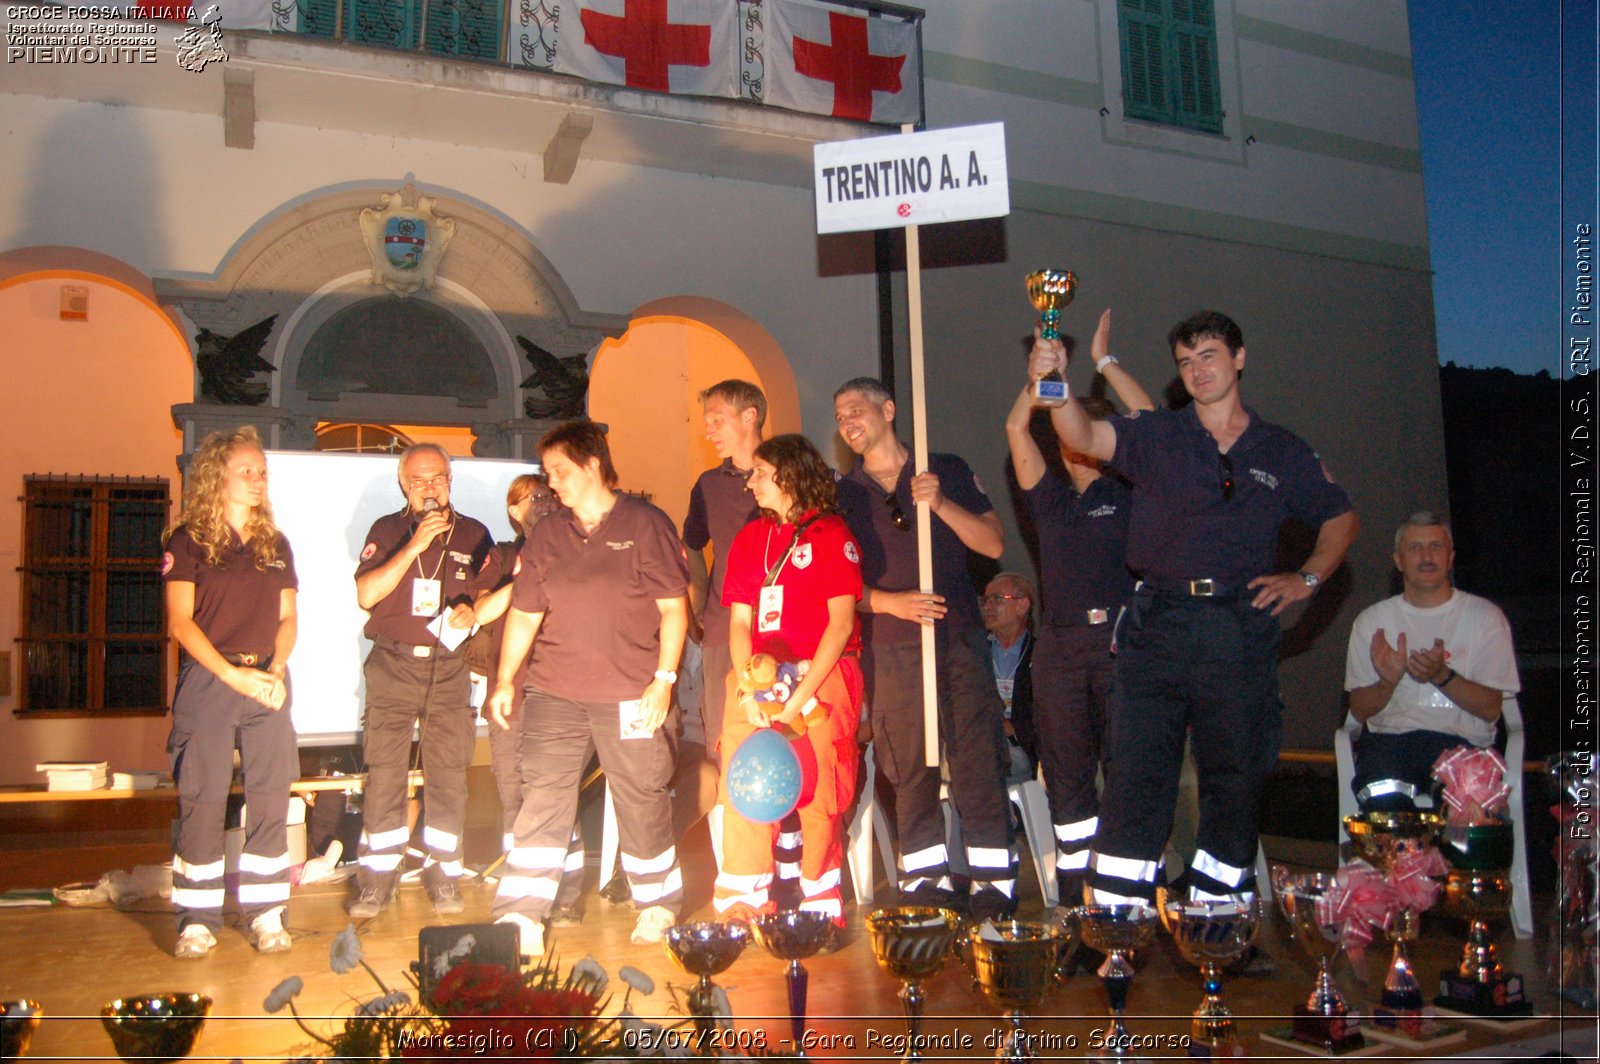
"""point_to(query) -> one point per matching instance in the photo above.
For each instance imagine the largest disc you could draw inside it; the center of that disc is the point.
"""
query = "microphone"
(429, 505)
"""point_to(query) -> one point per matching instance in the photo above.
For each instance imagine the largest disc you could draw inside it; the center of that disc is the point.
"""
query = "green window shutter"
(464, 28)
(316, 18)
(1144, 63)
(390, 23)
(1195, 100)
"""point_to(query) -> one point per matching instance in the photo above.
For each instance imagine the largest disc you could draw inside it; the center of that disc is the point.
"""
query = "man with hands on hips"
(1197, 646)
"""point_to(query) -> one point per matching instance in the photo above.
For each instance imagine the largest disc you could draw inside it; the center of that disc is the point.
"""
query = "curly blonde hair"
(204, 510)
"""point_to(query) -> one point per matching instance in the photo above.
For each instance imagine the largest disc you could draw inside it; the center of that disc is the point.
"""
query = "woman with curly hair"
(794, 577)
(230, 596)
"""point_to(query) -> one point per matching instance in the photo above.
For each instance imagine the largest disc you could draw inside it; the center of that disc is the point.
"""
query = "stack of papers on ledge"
(136, 780)
(75, 775)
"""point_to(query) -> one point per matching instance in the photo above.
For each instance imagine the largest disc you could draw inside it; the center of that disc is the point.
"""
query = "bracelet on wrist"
(1100, 366)
(666, 676)
(1449, 674)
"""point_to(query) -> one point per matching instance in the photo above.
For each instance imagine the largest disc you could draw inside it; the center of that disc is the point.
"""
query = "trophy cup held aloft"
(1050, 292)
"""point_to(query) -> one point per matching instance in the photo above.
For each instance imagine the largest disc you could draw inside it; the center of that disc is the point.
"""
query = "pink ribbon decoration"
(1360, 900)
(1411, 877)
(1474, 781)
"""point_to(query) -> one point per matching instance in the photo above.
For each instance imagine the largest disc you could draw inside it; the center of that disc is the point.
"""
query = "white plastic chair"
(869, 822)
(1033, 806)
(1510, 712)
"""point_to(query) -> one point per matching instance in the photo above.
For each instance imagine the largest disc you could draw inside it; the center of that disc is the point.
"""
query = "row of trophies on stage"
(1015, 964)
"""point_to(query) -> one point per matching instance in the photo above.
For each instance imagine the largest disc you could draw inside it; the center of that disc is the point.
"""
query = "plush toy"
(770, 683)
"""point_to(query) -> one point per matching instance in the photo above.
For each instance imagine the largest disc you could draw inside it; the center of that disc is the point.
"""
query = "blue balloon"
(765, 777)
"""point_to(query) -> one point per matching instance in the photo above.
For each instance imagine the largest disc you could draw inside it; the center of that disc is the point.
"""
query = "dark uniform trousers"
(972, 731)
(1071, 677)
(401, 690)
(558, 736)
(505, 761)
(208, 719)
(1207, 666)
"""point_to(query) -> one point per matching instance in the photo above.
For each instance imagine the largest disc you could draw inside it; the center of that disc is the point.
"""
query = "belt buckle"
(1099, 616)
(248, 659)
(421, 652)
(1203, 587)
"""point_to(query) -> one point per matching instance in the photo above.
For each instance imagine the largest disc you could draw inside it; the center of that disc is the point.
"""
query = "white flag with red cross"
(678, 46)
(839, 63)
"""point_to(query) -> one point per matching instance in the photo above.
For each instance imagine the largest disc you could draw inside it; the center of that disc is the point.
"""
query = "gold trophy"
(1210, 935)
(1479, 888)
(1050, 291)
(18, 1020)
(911, 944)
(1380, 837)
(1015, 964)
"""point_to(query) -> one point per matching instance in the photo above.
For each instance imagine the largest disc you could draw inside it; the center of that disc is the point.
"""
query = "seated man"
(1427, 670)
(1008, 615)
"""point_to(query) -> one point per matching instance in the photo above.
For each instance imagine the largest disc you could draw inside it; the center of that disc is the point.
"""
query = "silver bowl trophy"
(157, 1028)
(1324, 1020)
(1479, 889)
(18, 1020)
(1116, 931)
(792, 936)
(911, 944)
(1211, 935)
(1050, 291)
(1014, 965)
(1381, 837)
(705, 949)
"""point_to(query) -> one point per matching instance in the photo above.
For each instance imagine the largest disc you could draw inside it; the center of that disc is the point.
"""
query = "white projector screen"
(325, 503)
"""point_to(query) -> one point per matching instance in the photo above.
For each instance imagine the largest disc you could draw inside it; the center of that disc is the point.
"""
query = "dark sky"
(1489, 79)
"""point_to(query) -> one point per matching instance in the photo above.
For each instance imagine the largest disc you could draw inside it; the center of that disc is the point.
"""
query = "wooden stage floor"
(73, 960)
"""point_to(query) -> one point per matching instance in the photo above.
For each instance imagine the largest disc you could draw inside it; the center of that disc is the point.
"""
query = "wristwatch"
(1100, 367)
(666, 676)
(1311, 578)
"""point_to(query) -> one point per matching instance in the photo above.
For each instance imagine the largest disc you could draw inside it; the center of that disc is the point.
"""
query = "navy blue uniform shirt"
(889, 553)
(1183, 528)
(1083, 545)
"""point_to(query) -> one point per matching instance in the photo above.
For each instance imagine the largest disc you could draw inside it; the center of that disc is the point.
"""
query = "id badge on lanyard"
(425, 597)
(769, 609)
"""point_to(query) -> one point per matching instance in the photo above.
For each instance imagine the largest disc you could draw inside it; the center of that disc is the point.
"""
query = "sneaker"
(530, 933)
(267, 933)
(652, 925)
(565, 916)
(195, 940)
(445, 893)
(368, 903)
(320, 868)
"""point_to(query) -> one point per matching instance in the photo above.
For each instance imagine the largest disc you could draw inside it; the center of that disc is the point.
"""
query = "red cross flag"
(681, 46)
(841, 64)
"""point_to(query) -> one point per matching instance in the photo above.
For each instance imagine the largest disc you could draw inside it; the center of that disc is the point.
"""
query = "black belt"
(410, 650)
(1204, 587)
(1089, 618)
(254, 661)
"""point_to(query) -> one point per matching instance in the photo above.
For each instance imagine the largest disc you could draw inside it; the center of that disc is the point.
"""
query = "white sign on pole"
(942, 175)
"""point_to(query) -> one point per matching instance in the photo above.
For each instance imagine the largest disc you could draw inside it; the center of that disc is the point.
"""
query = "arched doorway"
(646, 386)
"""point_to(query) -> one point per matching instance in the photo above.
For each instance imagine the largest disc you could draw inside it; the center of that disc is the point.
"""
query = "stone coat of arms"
(406, 240)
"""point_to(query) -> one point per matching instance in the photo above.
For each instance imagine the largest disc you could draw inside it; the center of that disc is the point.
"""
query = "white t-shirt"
(1477, 643)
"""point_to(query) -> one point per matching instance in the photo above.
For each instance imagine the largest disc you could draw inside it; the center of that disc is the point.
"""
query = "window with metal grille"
(1169, 62)
(93, 628)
